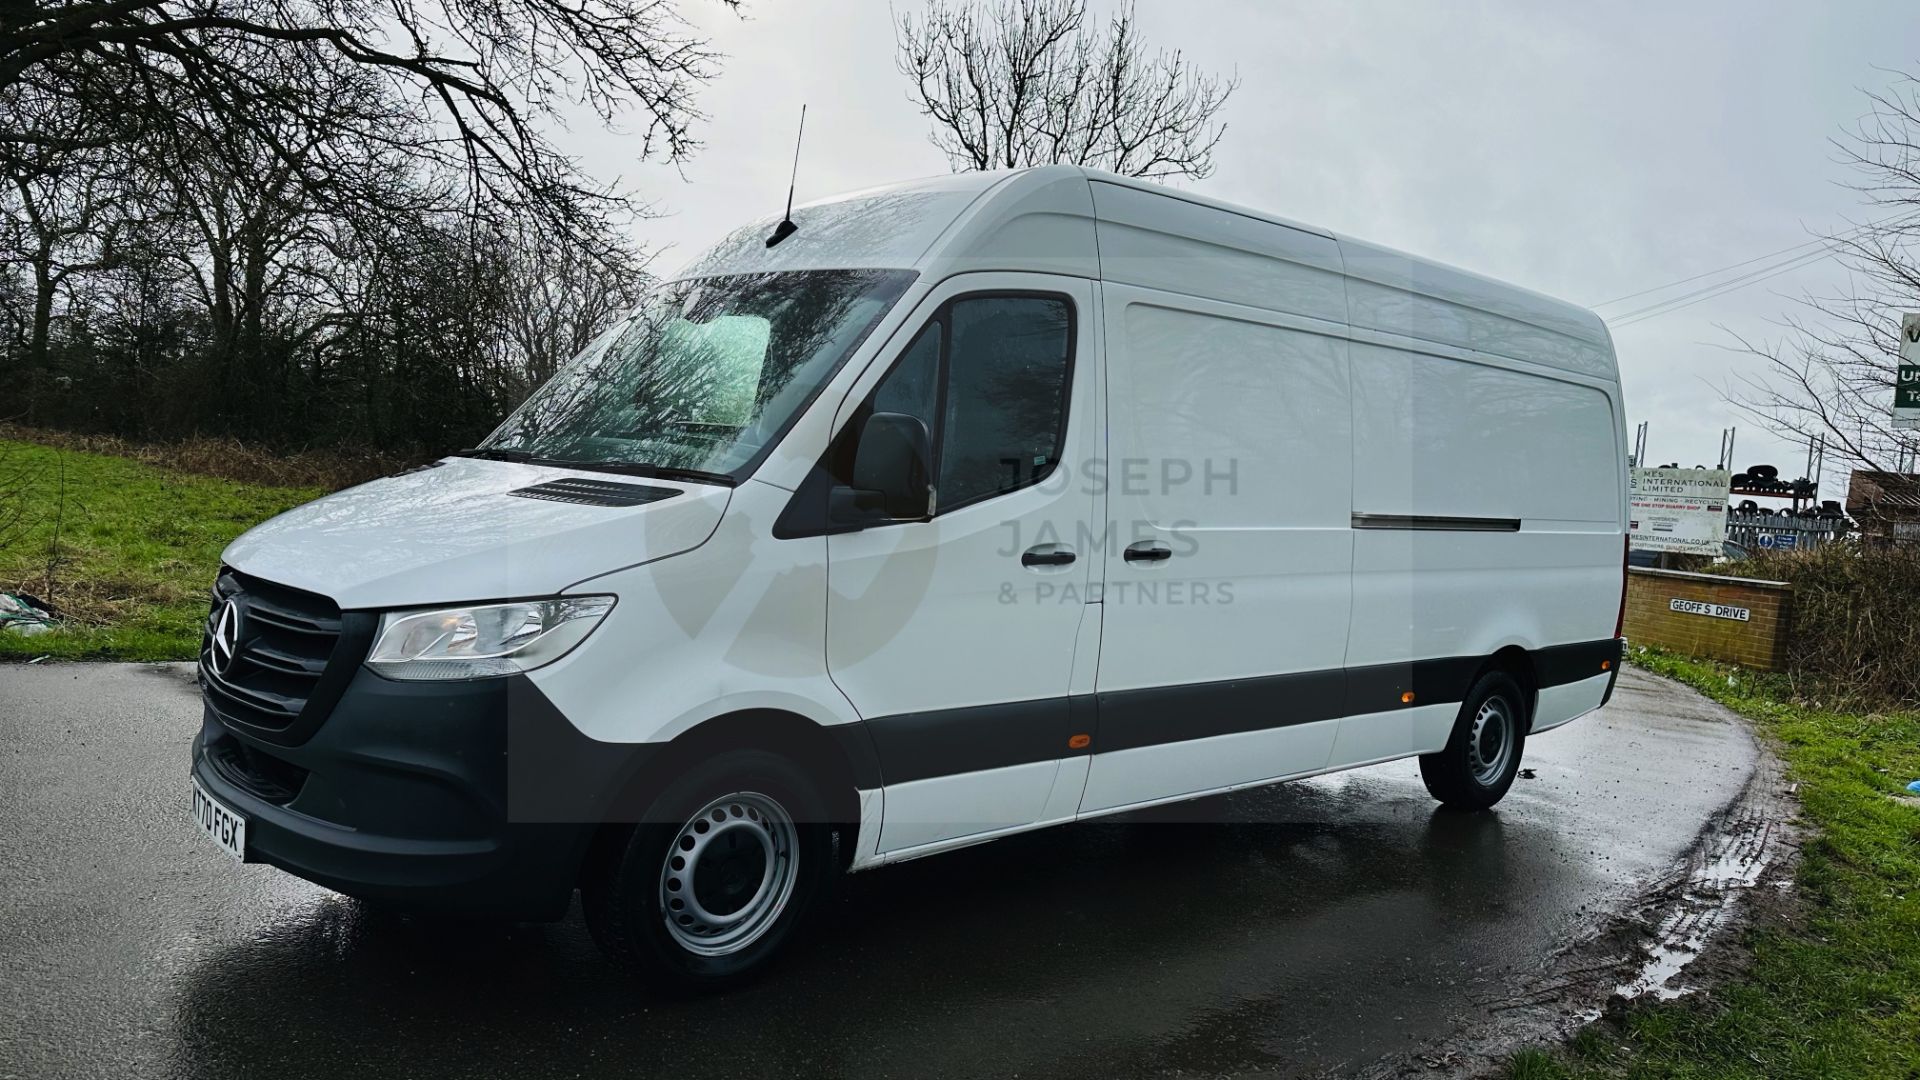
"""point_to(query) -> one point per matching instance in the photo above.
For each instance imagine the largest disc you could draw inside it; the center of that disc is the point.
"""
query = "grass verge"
(1838, 994)
(124, 550)
(230, 459)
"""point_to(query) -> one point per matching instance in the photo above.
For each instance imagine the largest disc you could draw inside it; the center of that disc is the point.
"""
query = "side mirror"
(892, 472)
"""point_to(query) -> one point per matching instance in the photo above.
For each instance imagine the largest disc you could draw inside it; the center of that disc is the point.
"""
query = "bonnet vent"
(574, 489)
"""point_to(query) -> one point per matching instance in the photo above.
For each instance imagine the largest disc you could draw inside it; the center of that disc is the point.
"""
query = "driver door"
(955, 636)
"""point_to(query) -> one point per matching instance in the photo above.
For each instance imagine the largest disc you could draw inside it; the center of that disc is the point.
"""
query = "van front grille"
(262, 669)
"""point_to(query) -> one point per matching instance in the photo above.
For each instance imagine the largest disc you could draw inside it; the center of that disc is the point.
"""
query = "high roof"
(1071, 220)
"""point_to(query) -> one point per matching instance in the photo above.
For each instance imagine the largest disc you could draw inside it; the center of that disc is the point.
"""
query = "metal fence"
(1765, 531)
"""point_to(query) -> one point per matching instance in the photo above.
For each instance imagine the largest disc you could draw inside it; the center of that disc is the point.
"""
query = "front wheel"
(1481, 757)
(705, 892)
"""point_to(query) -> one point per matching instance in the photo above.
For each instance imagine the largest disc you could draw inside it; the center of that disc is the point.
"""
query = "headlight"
(484, 640)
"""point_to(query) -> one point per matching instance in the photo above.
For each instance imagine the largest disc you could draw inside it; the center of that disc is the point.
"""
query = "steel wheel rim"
(729, 874)
(1490, 746)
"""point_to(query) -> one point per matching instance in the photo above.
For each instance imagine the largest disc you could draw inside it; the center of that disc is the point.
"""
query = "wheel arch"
(1517, 663)
(839, 758)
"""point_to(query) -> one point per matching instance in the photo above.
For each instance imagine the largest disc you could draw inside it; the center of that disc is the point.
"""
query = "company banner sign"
(1678, 510)
(1906, 389)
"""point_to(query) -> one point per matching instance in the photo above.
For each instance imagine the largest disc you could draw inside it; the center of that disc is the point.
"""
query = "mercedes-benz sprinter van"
(967, 506)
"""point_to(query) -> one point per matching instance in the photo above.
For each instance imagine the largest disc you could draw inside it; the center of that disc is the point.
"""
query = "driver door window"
(989, 376)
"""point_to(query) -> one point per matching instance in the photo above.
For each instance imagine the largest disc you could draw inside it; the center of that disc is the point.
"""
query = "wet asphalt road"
(1318, 926)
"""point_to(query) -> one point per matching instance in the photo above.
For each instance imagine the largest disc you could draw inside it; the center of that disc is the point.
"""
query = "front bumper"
(406, 794)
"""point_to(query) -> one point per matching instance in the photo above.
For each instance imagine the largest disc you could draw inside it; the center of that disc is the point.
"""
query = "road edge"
(1680, 935)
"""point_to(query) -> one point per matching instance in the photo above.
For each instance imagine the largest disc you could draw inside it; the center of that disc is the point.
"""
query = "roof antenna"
(786, 227)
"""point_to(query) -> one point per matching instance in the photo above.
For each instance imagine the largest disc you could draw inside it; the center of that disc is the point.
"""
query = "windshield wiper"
(495, 453)
(657, 472)
(630, 468)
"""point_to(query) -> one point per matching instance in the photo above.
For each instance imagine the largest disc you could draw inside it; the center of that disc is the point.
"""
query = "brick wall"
(1759, 643)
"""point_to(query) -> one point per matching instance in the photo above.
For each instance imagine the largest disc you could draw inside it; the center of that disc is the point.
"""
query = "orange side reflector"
(1079, 742)
(1406, 698)
(1605, 665)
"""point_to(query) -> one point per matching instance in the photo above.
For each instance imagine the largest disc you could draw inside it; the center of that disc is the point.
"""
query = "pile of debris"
(25, 615)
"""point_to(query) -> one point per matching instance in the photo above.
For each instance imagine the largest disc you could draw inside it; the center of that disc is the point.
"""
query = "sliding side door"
(1227, 566)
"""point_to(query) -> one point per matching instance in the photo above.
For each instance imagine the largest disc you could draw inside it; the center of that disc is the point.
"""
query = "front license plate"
(226, 827)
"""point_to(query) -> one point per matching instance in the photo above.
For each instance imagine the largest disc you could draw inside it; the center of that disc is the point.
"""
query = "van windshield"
(704, 377)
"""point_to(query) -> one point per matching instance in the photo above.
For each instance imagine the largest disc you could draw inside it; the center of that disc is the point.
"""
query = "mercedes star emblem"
(226, 637)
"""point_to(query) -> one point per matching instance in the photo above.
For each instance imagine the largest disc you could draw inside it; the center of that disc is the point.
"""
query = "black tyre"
(715, 881)
(1483, 754)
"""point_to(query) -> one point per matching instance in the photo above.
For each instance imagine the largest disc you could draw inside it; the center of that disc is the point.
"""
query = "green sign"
(1906, 386)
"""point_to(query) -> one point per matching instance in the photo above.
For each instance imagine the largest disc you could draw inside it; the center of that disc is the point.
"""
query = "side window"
(913, 386)
(1006, 402)
(989, 377)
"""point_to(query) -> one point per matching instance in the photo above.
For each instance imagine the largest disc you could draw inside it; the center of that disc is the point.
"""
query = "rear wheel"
(715, 881)
(1481, 757)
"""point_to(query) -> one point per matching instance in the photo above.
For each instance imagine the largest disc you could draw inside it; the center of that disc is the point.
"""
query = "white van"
(974, 505)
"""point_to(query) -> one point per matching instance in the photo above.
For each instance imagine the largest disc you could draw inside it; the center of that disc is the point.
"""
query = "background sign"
(1678, 509)
(1906, 388)
(1715, 611)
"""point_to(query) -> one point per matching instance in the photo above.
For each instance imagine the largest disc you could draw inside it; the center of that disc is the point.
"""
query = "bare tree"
(1831, 375)
(62, 202)
(317, 222)
(479, 79)
(1031, 82)
(565, 300)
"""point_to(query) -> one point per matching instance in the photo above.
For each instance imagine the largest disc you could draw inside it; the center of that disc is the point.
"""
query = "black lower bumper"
(408, 795)
(1613, 669)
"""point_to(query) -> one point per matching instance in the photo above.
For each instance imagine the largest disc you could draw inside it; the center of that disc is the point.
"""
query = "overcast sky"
(1587, 151)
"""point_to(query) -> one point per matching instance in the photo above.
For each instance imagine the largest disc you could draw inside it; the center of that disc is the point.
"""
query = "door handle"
(1046, 555)
(1147, 551)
